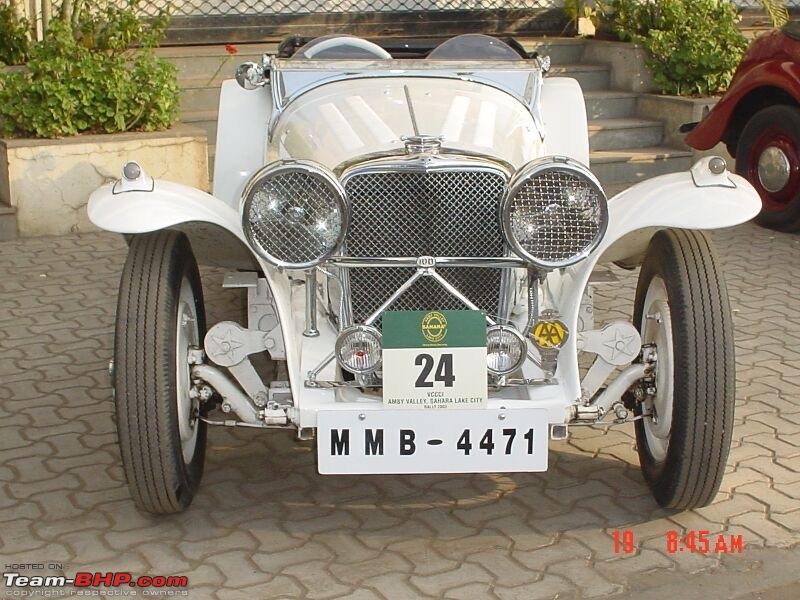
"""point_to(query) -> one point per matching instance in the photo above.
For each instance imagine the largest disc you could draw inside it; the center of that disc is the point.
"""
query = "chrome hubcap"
(774, 169)
(187, 337)
(657, 330)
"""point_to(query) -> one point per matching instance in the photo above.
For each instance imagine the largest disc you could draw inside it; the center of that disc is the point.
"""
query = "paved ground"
(265, 525)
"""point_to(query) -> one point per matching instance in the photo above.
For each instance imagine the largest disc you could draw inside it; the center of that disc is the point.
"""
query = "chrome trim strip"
(332, 385)
(425, 163)
(311, 305)
(507, 291)
(503, 262)
(399, 65)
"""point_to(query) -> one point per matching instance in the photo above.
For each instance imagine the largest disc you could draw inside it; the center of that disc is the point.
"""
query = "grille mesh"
(293, 217)
(556, 215)
(438, 213)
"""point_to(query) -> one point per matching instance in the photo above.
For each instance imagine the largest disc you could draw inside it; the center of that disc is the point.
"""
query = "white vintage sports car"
(417, 238)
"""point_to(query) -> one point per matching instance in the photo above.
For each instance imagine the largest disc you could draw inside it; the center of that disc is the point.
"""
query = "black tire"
(685, 470)
(776, 128)
(160, 477)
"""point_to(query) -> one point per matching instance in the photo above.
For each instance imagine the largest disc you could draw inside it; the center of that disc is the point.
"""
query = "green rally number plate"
(434, 359)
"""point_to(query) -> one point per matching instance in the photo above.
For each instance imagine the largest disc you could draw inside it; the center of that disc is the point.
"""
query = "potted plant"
(89, 94)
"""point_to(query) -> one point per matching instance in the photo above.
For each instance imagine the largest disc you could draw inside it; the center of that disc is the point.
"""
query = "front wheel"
(682, 312)
(768, 156)
(160, 318)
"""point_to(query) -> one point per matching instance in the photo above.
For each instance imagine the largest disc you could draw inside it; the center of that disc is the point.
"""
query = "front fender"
(771, 75)
(677, 201)
(166, 205)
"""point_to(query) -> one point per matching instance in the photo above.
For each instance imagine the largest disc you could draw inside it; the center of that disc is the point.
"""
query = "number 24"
(444, 370)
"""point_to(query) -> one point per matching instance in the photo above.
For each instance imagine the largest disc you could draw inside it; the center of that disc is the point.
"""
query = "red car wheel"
(768, 155)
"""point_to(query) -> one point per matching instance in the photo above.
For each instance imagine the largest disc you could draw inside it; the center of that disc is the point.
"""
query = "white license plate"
(432, 441)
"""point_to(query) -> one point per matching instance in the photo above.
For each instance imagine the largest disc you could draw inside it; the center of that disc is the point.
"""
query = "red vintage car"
(759, 120)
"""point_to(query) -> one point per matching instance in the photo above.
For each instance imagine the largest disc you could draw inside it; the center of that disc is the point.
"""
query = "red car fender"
(782, 74)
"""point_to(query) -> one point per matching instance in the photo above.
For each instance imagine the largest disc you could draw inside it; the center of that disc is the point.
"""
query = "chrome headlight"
(555, 213)
(294, 214)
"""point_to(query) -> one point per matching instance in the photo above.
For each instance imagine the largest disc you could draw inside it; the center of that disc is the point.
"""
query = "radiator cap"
(422, 144)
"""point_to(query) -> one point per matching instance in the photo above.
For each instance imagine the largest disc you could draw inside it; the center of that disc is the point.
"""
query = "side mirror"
(250, 76)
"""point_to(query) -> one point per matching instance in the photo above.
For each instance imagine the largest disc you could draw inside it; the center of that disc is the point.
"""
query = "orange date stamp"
(700, 541)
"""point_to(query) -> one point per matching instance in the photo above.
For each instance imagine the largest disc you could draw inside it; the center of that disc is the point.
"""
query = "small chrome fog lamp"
(358, 349)
(294, 214)
(505, 349)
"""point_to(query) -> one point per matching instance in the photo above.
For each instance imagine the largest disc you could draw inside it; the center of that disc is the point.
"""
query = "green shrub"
(633, 18)
(87, 77)
(694, 46)
(13, 36)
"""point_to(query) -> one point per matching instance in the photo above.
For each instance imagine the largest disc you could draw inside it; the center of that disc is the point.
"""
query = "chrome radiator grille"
(417, 213)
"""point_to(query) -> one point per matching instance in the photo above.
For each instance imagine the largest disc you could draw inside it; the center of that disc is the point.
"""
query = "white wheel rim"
(657, 330)
(187, 336)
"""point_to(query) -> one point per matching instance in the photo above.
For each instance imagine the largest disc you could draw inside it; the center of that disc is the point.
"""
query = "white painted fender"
(241, 148)
(168, 204)
(674, 201)
(564, 114)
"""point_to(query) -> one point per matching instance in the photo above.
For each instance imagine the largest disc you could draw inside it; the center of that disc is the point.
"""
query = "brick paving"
(266, 525)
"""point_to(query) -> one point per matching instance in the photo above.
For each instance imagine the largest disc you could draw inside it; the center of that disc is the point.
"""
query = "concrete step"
(8, 223)
(614, 167)
(198, 95)
(205, 120)
(619, 134)
(609, 104)
(560, 50)
(591, 77)
(212, 64)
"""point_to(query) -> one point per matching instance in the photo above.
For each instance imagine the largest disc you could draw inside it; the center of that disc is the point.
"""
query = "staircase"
(624, 147)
